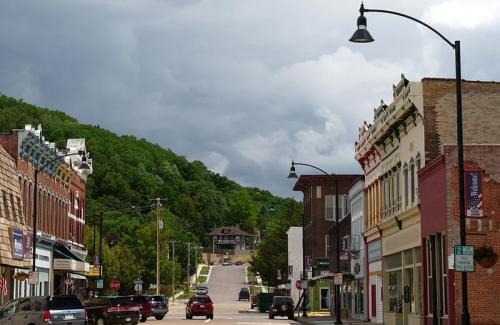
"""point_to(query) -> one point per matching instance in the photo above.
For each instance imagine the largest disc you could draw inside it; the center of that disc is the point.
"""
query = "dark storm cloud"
(244, 86)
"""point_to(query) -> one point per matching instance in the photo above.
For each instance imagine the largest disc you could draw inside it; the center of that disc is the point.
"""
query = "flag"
(3, 286)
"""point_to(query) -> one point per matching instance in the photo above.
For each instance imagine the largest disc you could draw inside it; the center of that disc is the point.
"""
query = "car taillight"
(47, 316)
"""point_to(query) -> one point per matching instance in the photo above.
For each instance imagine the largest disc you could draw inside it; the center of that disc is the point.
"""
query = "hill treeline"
(129, 173)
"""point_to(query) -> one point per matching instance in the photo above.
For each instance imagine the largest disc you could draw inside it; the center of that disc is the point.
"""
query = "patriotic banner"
(17, 244)
(473, 194)
(3, 286)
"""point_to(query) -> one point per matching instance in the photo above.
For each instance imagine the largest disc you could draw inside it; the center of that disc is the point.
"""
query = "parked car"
(111, 310)
(159, 305)
(238, 263)
(244, 294)
(143, 305)
(61, 309)
(281, 306)
(253, 301)
(201, 290)
(264, 301)
(200, 305)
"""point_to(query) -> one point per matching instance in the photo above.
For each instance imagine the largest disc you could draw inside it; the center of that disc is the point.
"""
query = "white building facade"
(295, 260)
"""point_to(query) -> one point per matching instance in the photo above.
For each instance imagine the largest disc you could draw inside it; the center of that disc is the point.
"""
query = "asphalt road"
(224, 285)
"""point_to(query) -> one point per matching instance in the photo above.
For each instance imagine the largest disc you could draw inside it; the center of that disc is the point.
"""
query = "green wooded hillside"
(130, 172)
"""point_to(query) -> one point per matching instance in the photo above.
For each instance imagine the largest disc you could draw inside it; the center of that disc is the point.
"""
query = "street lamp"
(83, 166)
(361, 35)
(292, 174)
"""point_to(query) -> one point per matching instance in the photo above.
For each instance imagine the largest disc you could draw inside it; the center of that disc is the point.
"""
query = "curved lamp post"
(84, 166)
(292, 174)
(361, 35)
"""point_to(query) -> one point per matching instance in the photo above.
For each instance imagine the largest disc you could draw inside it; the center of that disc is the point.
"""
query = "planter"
(488, 262)
(21, 277)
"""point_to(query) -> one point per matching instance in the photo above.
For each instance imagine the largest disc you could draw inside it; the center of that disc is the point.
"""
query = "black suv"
(281, 306)
(159, 305)
(244, 294)
(111, 310)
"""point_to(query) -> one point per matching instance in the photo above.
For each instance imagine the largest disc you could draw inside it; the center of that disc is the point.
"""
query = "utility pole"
(189, 255)
(158, 246)
(196, 270)
(173, 270)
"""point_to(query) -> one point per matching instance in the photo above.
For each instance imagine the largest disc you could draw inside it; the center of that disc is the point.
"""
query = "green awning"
(61, 251)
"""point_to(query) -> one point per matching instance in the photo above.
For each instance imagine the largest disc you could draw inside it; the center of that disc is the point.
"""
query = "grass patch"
(255, 290)
(202, 278)
(251, 279)
(204, 270)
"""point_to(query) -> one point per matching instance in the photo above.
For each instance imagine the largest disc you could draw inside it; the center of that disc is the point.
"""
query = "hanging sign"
(473, 194)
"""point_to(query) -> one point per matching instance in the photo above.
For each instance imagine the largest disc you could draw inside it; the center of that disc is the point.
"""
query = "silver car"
(60, 310)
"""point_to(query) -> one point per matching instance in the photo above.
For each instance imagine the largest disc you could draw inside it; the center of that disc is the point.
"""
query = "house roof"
(228, 231)
(306, 181)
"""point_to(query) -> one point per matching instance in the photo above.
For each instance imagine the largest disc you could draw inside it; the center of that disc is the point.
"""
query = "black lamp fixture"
(363, 36)
(292, 171)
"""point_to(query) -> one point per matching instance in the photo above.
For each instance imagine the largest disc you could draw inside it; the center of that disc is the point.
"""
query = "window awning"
(63, 252)
(77, 276)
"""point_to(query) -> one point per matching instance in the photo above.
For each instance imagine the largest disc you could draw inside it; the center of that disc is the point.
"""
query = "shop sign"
(464, 258)
(337, 278)
(374, 250)
(64, 264)
(28, 248)
(322, 263)
(473, 194)
(94, 270)
(17, 244)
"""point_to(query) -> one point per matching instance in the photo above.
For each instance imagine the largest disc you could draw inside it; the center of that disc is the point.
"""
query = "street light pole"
(83, 166)
(337, 287)
(361, 35)
(157, 246)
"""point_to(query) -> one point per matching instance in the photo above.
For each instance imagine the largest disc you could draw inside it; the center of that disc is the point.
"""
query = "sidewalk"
(322, 320)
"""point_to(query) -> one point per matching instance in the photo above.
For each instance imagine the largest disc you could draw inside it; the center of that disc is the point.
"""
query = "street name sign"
(464, 258)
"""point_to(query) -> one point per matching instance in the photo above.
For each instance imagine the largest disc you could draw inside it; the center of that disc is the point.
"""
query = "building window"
(412, 180)
(405, 172)
(443, 295)
(430, 298)
(394, 291)
(324, 298)
(329, 207)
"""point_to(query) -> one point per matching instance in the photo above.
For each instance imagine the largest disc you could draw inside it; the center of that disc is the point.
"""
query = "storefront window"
(394, 292)
(325, 298)
(409, 257)
(358, 297)
(393, 261)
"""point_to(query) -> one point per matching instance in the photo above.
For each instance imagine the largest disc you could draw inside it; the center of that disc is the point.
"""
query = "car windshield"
(204, 300)
(156, 298)
(244, 289)
(282, 300)
(121, 302)
(65, 302)
(139, 299)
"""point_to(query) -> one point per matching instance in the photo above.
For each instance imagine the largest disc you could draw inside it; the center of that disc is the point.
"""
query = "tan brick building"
(13, 230)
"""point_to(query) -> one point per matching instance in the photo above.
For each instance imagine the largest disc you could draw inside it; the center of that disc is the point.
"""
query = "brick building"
(60, 251)
(411, 195)
(319, 217)
(440, 205)
(13, 230)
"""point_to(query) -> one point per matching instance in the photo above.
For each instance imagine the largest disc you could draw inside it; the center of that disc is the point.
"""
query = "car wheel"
(211, 316)
(159, 317)
(99, 321)
(291, 317)
(189, 316)
(143, 319)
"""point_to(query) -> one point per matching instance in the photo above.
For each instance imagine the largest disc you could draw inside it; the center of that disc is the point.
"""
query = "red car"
(144, 307)
(200, 305)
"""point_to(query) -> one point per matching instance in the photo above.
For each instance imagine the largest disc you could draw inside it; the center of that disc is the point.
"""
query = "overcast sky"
(244, 86)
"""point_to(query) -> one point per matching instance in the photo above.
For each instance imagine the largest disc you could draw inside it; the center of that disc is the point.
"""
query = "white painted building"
(358, 268)
(295, 260)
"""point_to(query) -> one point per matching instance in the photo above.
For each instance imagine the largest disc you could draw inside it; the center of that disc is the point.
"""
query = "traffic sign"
(114, 285)
(99, 284)
(304, 284)
(33, 277)
(464, 258)
(138, 281)
(138, 287)
(337, 279)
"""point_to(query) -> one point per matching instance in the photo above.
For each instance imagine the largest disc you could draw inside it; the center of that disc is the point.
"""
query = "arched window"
(406, 185)
(412, 180)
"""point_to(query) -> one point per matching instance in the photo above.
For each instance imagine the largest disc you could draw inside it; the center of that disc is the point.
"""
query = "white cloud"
(457, 14)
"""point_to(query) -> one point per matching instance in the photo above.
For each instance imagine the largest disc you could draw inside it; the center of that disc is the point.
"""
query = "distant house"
(230, 238)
